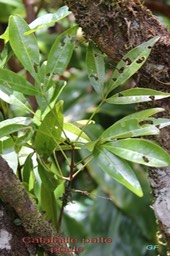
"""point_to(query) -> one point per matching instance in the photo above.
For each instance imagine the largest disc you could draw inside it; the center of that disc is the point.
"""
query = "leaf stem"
(82, 167)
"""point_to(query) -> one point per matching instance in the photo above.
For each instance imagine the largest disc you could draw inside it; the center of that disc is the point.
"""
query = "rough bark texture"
(11, 234)
(32, 221)
(116, 26)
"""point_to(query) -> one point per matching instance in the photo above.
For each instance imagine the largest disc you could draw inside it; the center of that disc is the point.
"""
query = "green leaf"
(48, 20)
(140, 151)
(14, 98)
(5, 35)
(5, 56)
(13, 125)
(11, 2)
(61, 52)
(72, 133)
(24, 47)
(48, 179)
(49, 132)
(96, 68)
(8, 153)
(11, 80)
(28, 168)
(23, 140)
(52, 96)
(142, 115)
(136, 95)
(128, 128)
(117, 168)
(131, 62)
(159, 122)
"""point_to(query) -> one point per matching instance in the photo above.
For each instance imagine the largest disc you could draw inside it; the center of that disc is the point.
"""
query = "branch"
(116, 26)
(13, 192)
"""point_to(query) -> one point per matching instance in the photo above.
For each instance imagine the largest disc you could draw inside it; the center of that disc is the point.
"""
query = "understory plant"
(46, 147)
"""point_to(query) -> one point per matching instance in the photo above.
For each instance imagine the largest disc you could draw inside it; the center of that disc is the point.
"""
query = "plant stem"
(91, 117)
(67, 193)
(82, 167)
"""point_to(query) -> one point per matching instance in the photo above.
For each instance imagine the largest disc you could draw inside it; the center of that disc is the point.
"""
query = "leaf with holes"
(129, 128)
(96, 68)
(131, 62)
(136, 95)
(139, 151)
(159, 122)
(61, 52)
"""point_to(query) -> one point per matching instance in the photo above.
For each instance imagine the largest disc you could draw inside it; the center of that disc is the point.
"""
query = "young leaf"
(136, 95)
(13, 125)
(96, 68)
(24, 47)
(72, 132)
(48, 20)
(128, 128)
(117, 168)
(139, 151)
(49, 132)
(16, 82)
(131, 62)
(61, 52)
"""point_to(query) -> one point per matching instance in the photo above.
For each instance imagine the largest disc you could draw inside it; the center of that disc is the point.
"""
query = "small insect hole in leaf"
(127, 61)
(114, 79)
(121, 70)
(145, 159)
(140, 60)
(152, 98)
(94, 76)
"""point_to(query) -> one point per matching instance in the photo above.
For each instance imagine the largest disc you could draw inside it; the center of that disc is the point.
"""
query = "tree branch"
(34, 223)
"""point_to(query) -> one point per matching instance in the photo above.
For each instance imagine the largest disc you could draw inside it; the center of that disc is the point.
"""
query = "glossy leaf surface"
(117, 168)
(24, 47)
(48, 19)
(72, 132)
(61, 52)
(9, 79)
(13, 125)
(128, 128)
(136, 95)
(140, 151)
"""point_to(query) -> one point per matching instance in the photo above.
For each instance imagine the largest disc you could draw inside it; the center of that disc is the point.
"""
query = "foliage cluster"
(60, 150)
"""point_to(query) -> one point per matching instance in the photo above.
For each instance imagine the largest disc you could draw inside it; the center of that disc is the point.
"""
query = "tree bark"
(116, 26)
(31, 222)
